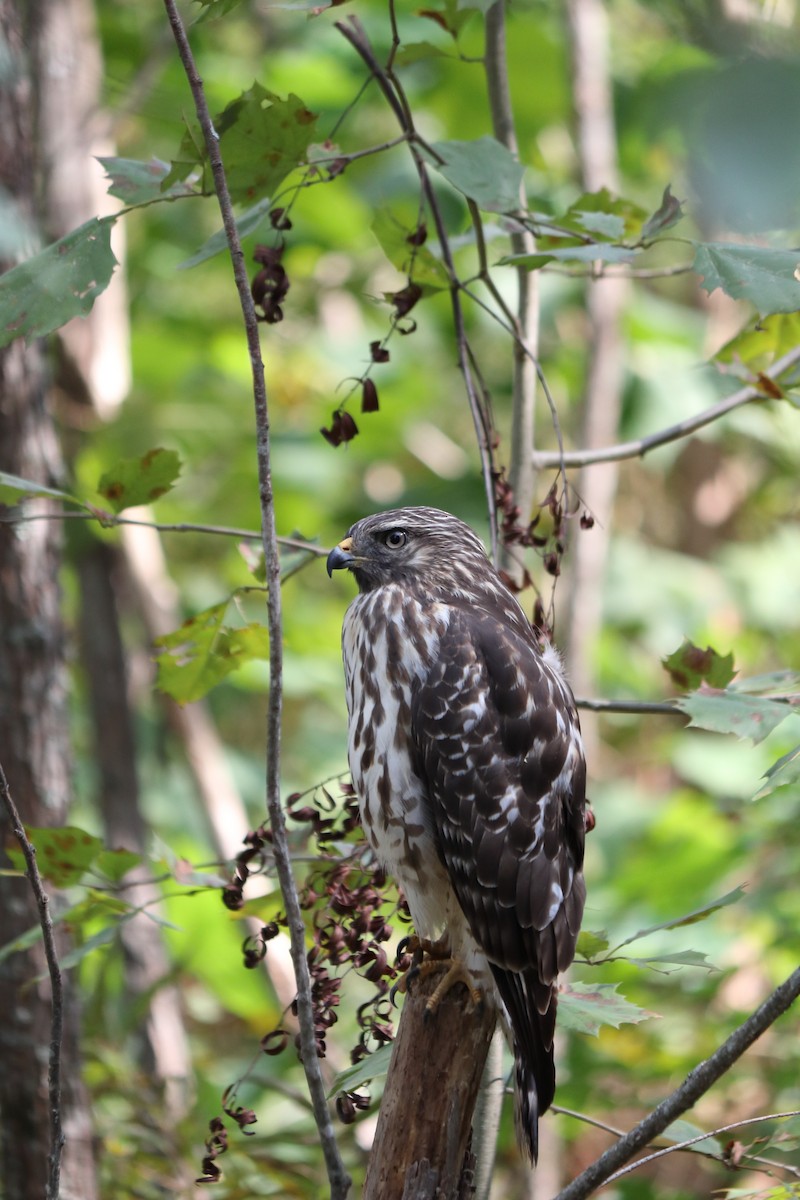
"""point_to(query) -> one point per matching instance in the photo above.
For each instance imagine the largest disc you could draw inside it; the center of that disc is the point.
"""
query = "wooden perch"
(421, 1147)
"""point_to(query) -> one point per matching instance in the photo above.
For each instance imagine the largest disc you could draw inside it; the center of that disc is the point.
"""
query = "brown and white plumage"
(466, 754)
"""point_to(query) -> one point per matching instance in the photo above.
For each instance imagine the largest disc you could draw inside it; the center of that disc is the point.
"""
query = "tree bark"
(422, 1142)
(33, 716)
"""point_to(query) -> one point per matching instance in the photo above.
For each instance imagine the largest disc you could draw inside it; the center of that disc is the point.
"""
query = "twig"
(751, 1158)
(337, 1175)
(701, 1137)
(667, 707)
(111, 520)
(696, 1084)
(56, 990)
(745, 395)
(353, 31)
(521, 471)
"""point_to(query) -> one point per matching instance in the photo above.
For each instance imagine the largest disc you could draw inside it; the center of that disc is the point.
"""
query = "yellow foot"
(438, 958)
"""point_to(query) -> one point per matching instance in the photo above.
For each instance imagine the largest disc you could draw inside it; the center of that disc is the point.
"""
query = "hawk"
(466, 753)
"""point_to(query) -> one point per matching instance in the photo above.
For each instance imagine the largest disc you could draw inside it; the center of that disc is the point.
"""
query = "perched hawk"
(466, 753)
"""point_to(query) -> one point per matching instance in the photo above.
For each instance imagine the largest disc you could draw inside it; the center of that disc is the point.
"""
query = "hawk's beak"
(340, 556)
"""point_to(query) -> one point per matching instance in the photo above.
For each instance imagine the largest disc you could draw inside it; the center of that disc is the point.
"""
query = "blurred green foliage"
(704, 543)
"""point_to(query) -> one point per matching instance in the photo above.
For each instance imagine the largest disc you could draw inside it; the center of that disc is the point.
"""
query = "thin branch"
(666, 707)
(56, 989)
(354, 32)
(696, 1084)
(521, 471)
(701, 1137)
(109, 520)
(337, 1175)
(750, 1158)
(745, 395)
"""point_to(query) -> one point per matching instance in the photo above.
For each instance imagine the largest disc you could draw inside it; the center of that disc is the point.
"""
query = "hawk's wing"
(497, 742)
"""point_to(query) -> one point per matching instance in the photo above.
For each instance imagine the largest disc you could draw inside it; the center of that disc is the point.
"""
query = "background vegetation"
(699, 541)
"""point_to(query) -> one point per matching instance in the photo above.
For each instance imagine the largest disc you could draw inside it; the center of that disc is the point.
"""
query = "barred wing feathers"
(498, 745)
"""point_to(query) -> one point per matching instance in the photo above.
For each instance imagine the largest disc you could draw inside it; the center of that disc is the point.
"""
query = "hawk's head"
(421, 546)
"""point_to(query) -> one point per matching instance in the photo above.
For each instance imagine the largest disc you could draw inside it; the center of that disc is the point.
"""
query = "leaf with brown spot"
(689, 666)
(139, 480)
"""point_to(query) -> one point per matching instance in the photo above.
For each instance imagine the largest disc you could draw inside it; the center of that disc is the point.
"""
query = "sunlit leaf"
(590, 944)
(61, 282)
(759, 344)
(585, 1008)
(765, 277)
(688, 666)
(482, 169)
(728, 712)
(140, 480)
(203, 651)
(374, 1066)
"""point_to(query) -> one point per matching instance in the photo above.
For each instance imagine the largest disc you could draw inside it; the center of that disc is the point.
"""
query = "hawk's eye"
(395, 538)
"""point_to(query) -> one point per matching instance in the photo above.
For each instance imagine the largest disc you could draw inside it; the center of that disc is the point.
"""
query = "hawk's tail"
(531, 1009)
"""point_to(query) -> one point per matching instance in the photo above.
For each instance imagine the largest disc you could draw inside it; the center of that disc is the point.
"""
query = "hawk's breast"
(389, 644)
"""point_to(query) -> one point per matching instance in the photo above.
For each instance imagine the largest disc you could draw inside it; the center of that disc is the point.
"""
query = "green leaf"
(590, 944)
(262, 139)
(484, 170)
(140, 480)
(136, 182)
(684, 1131)
(249, 222)
(668, 213)
(63, 853)
(114, 864)
(415, 261)
(13, 489)
(692, 918)
(688, 666)
(682, 958)
(374, 1066)
(203, 651)
(412, 52)
(765, 277)
(601, 213)
(190, 163)
(579, 252)
(783, 773)
(61, 282)
(78, 953)
(759, 344)
(215, 8)
(782, 682)
(728, 712)
(585, 1008)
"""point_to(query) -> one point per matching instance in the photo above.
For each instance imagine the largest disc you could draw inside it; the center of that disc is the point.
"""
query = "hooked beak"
(340, 556)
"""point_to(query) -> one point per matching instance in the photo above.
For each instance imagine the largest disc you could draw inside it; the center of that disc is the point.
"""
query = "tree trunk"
(422, 1144)
(34, 744)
